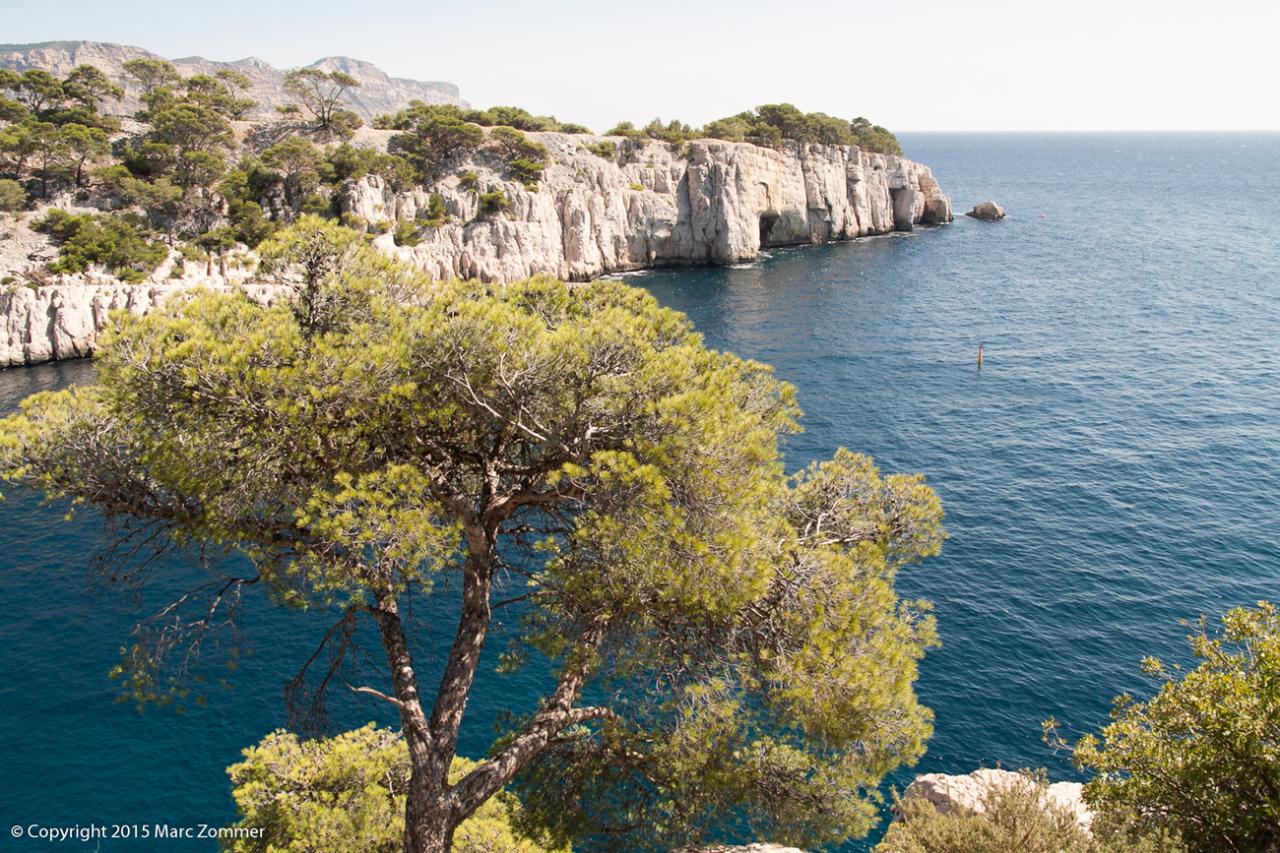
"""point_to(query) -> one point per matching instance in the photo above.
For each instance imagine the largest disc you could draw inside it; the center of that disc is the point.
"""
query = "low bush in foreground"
(345, 793)
(1202, 756)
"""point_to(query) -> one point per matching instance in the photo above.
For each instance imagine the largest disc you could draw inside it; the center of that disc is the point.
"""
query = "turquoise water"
(1113, 469)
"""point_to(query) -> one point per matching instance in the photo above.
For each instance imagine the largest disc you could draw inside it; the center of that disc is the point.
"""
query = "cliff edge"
(709, 202)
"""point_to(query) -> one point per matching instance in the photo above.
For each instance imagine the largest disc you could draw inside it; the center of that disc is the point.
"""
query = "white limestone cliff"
(713, 202)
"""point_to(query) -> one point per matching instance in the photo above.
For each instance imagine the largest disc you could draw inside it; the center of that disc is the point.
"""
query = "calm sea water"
(1113, 469)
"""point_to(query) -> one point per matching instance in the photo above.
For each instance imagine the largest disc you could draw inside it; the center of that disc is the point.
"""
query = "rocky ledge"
(969, 792)
(709, 202)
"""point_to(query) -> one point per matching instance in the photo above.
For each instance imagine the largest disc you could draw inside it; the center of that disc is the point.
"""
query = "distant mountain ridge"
(378, 92)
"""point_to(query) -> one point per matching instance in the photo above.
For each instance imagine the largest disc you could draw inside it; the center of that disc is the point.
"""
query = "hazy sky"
(953, 65)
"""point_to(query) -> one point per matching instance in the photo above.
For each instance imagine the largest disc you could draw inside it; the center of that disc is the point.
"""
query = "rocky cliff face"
(378, 93)
(714, 202)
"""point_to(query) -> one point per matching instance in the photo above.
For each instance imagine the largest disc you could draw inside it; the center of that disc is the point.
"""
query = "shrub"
(603, 149)
(12, 196)
(637, 187)
(435, 214)
(526, 172)
(120, 244)
(1013, 817)
(354, 221)
(406, 233)
(469, 181)
(347, 793)
(1202, 756)
(495, 202)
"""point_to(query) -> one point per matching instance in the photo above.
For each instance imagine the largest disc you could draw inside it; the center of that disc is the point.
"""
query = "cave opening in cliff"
(767, 220)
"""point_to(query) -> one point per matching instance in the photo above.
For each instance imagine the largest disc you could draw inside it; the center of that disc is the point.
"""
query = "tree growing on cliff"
(1202, 756)
(320, 92)
(721, 642)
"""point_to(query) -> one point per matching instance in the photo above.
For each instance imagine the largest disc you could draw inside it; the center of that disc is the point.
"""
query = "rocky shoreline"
(710, 202)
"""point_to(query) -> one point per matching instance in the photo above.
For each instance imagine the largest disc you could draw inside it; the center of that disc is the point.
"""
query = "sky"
(911, 66)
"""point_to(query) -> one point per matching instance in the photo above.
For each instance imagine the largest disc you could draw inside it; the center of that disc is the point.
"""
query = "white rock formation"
(987, 211)
(969, 792)
(63, 321)
(715, 203)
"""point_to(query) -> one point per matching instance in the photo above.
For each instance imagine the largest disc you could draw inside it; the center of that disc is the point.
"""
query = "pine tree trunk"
(426, 824)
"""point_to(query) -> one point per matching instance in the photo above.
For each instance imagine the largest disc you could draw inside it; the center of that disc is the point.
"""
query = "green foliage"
(436, 214)
(637, 187)
(516, 117)
(12, 196)
(604, 149)
(493, 203)
(1202, 756)
(771, 125)
(526, 159)
(347, 793)
(873, 137)
(151, 74)
(118, 243)
(406, 233)
(320, 92)
(469, 181)
(1014, 817)
(727, 640)
(300, 165)
(218, 93)
(434, 136)
(348, 162)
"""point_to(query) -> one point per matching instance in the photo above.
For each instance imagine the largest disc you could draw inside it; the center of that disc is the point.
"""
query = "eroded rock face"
(987, 211)
(969, 792)
(63, 321)
(714, 203)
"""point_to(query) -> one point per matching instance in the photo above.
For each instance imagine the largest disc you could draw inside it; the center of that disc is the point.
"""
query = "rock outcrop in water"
(713, 202)
(987, 211)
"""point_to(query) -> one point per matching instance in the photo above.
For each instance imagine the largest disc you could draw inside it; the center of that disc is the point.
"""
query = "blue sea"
(1112, 471)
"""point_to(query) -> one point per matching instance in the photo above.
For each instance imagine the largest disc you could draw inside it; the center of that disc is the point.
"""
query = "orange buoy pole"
(980, 356)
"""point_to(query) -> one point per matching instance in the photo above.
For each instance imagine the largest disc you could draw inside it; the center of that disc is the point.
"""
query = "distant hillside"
(378, 93)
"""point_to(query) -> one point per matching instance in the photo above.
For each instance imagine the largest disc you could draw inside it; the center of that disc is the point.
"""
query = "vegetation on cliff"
(772, 125)
(190, 170)
(722, 642)
(1200, 758)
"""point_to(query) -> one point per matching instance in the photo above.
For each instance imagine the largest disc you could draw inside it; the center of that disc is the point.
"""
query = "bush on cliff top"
(120, 244)
(771, 125)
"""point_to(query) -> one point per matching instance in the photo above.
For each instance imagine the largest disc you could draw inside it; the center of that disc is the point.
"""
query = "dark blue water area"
(1112, 470)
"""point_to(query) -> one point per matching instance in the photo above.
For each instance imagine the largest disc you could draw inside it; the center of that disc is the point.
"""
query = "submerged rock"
(987, 211)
